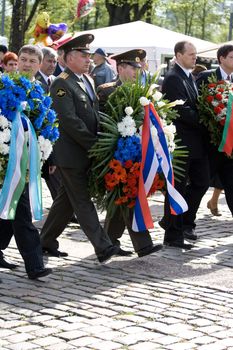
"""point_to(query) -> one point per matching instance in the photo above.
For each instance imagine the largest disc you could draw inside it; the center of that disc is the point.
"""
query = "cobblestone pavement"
(172, 299)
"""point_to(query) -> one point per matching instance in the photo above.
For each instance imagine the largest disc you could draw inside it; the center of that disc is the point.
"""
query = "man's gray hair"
(48, 51)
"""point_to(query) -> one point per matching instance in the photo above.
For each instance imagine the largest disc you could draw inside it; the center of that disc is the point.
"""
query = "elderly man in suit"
(220, 164)
(76, 104)
(46, 77)
(179, 85)
(47, 68)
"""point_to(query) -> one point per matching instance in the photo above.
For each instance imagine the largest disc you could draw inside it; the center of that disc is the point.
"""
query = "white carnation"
(127, 126)
(3, 122)
(45, 147)
(4, 149)
(144, 101)
(128, 110)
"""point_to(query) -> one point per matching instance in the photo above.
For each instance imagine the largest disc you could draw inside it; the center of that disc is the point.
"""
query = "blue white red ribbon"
(23, 151)
(151, 160)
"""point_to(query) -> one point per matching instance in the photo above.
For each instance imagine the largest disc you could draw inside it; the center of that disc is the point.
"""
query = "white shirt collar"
(187, 71)
(224, 74)
(44, 76)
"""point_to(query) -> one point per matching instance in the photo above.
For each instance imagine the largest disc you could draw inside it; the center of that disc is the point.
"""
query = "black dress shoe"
(150, 250)
(33, 275)
(54, 252)
(190, 234)
(4, 264)
(108, 254)
(122, 252)
(178, 245)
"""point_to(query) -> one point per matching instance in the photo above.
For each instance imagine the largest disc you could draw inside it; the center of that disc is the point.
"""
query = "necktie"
(88, 88)
(190, 78)
(49, 82)
(229, 77)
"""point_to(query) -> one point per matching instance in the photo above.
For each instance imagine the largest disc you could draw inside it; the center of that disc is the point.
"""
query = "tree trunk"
(118, 14)
(19, 23)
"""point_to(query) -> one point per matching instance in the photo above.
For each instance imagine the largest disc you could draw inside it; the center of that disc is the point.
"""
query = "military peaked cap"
(79, 43)
(132, 57)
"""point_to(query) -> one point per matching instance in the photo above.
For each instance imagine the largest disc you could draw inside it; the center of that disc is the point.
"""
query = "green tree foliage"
(200, 18)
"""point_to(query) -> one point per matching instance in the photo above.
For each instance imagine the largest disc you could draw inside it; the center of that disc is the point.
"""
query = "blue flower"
(51, 116)
(38, 123)
(7, 81)
(25, 83)
(128, 148)
(47, 101)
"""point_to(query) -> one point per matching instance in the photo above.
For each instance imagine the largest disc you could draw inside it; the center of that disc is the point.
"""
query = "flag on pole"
(84, 7)
(152, 159)
(226, 144)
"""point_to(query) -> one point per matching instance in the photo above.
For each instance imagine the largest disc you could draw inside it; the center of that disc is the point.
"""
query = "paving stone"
(23, 346)
(46, 341)
(173, 300)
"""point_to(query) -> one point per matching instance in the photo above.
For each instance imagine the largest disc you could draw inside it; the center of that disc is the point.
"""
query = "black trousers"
(73, 197)
(116, 225)
(222, 166)
(192, 187)
(26, 235)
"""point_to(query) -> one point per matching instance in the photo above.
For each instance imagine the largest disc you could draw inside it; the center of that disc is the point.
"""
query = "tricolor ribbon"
(152, 159)
(226, 144)
(24, 150)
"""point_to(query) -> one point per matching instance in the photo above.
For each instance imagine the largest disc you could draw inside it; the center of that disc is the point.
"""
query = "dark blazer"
(57, 70)
(78, 120)
(203, 76)
(43, 82)
(177, 86)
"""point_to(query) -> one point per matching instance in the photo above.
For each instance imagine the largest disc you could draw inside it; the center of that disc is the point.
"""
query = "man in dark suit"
(26, 235)
(178, 84)
(76, 105)
(45, 77)
(60, 66)
(128, 65)
(47, 67)
(220, 164)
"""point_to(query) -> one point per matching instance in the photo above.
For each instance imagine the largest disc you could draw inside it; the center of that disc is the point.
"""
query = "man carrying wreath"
(26, 235)
(220, 164)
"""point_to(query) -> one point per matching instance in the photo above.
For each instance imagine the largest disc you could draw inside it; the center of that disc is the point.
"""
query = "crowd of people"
(78, 92)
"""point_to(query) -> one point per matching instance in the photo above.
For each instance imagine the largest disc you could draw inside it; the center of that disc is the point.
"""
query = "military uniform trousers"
(26, 235)
(192, 186)
(73, 197)
(116, 225)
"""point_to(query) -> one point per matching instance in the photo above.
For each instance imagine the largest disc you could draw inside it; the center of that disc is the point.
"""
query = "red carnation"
(218, 97)
(220, 89)
(221, 105)
(209, 99)
(212, 85)
(217, 110)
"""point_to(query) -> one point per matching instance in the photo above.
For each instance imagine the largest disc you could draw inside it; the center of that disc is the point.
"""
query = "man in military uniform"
(76, 104)
(128, 65)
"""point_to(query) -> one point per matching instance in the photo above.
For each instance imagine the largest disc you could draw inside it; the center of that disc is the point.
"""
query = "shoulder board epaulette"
(106, 85)
(63, 75)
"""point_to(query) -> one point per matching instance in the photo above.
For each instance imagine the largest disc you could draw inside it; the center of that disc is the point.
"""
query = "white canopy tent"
(157, 41)
(212, 52)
